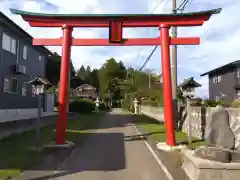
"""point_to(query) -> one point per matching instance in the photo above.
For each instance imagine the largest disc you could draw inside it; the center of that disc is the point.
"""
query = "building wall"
(34, 67)
(225, 86)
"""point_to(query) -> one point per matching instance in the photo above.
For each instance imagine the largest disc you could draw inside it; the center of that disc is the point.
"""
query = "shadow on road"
(101, 152)
(125, 120)
(141, 136)
(98, 152)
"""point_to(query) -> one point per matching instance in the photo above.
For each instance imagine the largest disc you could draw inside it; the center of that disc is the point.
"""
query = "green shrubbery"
(206, 103)
(212, 103)
(81, 105)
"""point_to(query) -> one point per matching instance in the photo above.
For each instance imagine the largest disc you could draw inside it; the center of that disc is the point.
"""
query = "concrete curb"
(166, 159)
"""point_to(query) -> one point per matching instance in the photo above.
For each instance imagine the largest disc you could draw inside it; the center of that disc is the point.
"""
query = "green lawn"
(15, 153)
(157, 131)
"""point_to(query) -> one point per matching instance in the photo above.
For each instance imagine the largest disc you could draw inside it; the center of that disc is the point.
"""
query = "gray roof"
(39, 80)
(190, 82)
(84, 85)
(231, 64)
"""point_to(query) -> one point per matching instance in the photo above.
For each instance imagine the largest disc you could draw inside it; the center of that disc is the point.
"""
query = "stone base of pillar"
(164, 147)
(67, 144)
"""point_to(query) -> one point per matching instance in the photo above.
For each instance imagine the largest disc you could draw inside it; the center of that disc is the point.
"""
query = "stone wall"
(8, 115)
(153, 112)
(198, 117)
(16, 127)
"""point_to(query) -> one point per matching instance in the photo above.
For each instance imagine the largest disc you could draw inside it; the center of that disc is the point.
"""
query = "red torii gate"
(116, 23)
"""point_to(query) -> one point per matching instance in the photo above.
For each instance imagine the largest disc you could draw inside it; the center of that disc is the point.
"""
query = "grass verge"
(156, 130)
(15, 153)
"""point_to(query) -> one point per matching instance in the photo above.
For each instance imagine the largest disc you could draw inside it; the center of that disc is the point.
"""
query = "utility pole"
(149, 81)
(174, 68)
(174, 54)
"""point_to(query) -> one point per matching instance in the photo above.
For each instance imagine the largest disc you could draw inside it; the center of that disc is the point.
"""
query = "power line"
(181, 7)
(140, 69)
(189, 2)
(140, 51)
(157, 6)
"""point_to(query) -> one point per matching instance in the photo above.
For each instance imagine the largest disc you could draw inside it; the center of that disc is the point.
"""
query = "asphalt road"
(112, 152)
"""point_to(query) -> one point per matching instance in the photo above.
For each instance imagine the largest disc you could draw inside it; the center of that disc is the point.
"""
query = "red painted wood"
(63, 86)
(126, 42)
(104, 24)
(115, 31)
(167, 87)
(125, 19)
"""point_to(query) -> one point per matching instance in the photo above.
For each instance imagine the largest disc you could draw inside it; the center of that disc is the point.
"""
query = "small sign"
(115, 31)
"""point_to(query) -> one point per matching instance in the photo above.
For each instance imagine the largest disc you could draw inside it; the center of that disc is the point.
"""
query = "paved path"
(112, 152)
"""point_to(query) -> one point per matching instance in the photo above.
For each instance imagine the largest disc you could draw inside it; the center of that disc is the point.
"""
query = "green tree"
(76, 82)
(81, 72)
(122, 70)
(94, 79)
(87, 75)
(110, 70)
(53, 65)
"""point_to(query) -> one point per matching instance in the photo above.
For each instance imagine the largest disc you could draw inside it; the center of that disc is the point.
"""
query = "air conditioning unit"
(21, 69)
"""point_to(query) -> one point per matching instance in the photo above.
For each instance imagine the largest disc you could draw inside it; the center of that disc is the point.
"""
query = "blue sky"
(219, 36)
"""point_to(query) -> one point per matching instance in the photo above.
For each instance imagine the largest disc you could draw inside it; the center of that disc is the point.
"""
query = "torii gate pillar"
(63, 88)
(167, 87)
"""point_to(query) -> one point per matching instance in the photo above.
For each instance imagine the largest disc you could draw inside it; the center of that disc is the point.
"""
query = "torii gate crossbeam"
(116, 23)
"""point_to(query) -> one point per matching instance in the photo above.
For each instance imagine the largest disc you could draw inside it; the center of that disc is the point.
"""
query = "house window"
(24, 89)
(10, 85)
(216, 79)
(8, 43)
(25, 52)
(217, 98)
(40, 58)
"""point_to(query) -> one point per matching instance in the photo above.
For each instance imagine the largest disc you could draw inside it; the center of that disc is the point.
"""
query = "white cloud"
(219, 42)
(160, 6)
(70, 6)
(217, 46)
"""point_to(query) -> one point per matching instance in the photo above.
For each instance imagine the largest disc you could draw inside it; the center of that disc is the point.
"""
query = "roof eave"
(204, 74)
(27, 13)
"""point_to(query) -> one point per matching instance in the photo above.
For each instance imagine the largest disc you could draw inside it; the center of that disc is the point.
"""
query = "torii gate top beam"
(127, 20)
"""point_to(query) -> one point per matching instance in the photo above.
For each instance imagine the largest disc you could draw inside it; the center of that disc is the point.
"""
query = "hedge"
(82, 105)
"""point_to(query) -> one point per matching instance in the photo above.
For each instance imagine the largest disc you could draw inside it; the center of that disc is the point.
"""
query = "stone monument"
(135, 104)
(97, 104)
(218, 159)
(219, 138)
